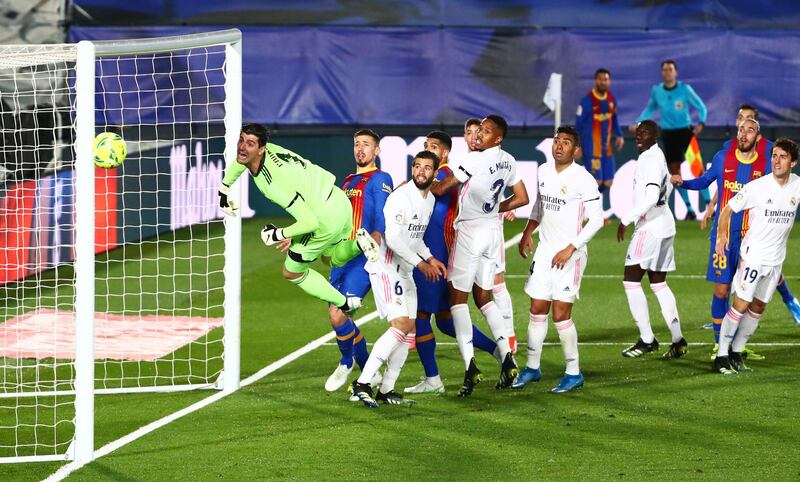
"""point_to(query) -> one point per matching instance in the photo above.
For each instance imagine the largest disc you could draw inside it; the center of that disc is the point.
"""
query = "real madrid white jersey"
(564, 200)
(407, 214)
(484, 176)
(772, 212)
(651, 171)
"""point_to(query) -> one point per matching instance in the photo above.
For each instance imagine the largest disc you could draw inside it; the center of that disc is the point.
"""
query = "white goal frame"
(81, 448)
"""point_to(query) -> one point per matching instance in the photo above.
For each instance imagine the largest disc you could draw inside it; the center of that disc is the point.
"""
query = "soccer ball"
(109, 150)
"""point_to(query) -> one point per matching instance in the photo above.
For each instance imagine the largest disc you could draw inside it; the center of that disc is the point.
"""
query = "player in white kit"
(567, 196)
(482, 175)
(407, 212)
(651, 248)
(772, 201)
(502, 297)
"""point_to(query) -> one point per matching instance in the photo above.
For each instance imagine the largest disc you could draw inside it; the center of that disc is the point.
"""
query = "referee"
(672, 99)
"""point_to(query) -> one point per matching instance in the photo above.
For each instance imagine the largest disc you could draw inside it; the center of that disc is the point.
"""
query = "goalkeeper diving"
(323, 214)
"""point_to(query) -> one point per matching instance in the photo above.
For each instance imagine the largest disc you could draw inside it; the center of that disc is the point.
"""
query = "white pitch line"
(609, 343)
(64, 471)
(619, 276)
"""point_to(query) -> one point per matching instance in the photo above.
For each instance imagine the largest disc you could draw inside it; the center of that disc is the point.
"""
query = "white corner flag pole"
(552, 96)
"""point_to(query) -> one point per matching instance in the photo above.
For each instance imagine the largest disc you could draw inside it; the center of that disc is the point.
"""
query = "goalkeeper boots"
(640, 348)
(508, 372)
(526, 376)
(677, 349)
(392, 398)
(737, 362)
(722, 364)
(367, 245)
(472, 377)
(363, 392)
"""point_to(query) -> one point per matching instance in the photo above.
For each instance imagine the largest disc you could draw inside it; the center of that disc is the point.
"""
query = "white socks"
(728, 331)
(747, 326)
(503, 301)
(569, 345)
(537, 331)
(669, 309)
(380, 353)
(497, 325)
(638, 305)
(462, 324)
(395, 363)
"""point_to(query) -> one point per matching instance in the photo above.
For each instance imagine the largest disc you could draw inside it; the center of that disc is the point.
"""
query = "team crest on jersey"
(678, 105)
(398, 301)
(756, 174)
(399, 218)
(564, 189)
(793, 201)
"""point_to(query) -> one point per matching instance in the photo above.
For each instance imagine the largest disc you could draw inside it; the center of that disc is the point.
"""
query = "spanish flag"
(694, 158)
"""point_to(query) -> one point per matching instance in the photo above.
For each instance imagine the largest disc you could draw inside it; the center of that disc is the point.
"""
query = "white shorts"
(395, 293)
(755, 281)
(651, 253)
(501, 258)
(473, 259)
(548, 283)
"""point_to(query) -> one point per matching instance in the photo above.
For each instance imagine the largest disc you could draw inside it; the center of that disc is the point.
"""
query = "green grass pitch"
(635, 419)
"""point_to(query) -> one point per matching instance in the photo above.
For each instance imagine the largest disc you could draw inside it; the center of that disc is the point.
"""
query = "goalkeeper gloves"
(272, 234)
(227, 207)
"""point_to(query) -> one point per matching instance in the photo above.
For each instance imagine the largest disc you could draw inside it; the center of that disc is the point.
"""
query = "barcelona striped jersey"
(596, 123)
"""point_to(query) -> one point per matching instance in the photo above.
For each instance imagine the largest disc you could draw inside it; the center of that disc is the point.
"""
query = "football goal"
(123, 279)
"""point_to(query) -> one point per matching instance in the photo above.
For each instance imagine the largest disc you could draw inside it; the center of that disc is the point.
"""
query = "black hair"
(442, 137)
(570, 131)
(749, 107)
(472, 121)
(500, 122)
(787, 145)
(428, 155)
(257, 130)
(370, 133)
(601, 71)
(650, 125)
(669, 61)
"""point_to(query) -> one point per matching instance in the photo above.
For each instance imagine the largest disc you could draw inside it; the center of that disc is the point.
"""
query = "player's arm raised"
(440, 188)
(232, 173)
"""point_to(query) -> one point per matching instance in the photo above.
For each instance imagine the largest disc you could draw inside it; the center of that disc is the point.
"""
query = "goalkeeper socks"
(729, 326)
(497, 326)
(479, 339)
(537, 331)
(669, 309)
(719, 306)
(747, 326)
(638, 305)
(503, 301)
(783, 289)
(360, 352)
(569, 345)
(344, 252)
(426, 347)
(317, 286)
(345, 335)
(685, 196)
(384, 347)
(463, 329)
(395, 363)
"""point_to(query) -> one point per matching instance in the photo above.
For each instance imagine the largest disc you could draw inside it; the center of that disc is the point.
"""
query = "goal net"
(123, 279)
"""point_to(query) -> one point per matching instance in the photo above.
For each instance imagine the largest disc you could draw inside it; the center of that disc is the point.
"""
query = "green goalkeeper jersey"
(293, 183)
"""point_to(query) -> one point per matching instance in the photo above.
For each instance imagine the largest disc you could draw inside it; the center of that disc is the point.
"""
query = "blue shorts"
(722, 268)
(602, 169)
(351, 280)
(431, 297)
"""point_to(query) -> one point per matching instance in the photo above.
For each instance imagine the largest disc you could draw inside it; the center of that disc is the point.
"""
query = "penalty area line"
(64, 471)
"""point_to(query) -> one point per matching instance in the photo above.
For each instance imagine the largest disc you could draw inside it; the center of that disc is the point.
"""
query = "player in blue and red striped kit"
(367, 190)
(597, 123)
(739, 161)
(432, 296)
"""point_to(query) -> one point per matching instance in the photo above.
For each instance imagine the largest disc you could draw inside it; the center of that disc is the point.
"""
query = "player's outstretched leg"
(394, 364)
(472, 377)
(426, 349)
(503, 300)
(789, 300)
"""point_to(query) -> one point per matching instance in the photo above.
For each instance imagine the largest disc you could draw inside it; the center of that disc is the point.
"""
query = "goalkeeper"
(323, 214)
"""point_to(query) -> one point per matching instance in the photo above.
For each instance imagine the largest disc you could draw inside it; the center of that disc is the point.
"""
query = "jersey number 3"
(497, 189)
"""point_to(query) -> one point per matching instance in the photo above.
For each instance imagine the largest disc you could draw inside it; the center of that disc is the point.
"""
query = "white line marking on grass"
(66, 470)
(610, 343)
(619, 276)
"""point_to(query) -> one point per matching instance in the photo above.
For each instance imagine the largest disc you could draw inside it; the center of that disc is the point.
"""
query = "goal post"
(115, 280)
